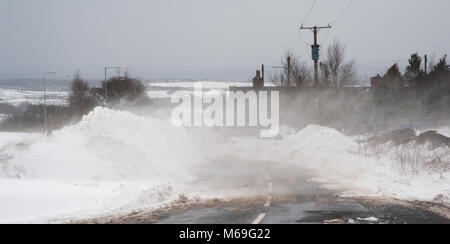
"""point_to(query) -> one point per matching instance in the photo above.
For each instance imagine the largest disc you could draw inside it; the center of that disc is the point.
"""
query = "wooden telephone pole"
(315, 50)
(426, 64)
(288, 82)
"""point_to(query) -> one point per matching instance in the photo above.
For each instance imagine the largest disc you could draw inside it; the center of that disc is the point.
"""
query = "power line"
(343, 12)
(309, 12)
(339, 16)
(304, 21)
(334, 22)
(326, 37)
(303, 40)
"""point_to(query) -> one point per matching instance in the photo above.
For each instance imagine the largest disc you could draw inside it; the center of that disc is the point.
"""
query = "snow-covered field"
(164, 89)
(155, 89)
(17, 96)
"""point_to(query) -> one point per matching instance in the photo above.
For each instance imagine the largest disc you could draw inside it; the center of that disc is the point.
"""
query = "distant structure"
(375, 81)
(258, 81)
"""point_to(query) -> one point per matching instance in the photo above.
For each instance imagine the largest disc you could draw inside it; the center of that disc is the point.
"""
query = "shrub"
(81, 99)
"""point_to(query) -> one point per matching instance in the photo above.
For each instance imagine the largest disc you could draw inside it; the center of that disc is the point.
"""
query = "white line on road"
(269, 198)
(268, 202)
(258, 220)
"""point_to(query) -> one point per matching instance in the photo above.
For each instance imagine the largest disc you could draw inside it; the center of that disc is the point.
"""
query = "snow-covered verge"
(110, 160)
(41, 201)
(340, 165)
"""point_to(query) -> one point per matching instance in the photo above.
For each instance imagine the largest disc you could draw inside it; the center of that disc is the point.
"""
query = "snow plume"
(336, 160)
(110, 158)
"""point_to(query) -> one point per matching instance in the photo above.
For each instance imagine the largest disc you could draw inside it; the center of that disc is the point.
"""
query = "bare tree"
(300, 72)
(325, 74)
(335, 72)
(349, 75)
(335, 59)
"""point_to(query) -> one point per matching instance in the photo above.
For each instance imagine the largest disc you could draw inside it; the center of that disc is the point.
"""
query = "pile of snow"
(444, 131)
(441, 130)
(110, 145)
(335, 159)
(109, 160)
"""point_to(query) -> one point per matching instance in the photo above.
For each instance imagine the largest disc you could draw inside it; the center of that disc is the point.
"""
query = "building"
(375, 81)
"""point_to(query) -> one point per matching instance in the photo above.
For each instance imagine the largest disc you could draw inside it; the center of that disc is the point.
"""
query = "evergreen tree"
(388, 91)
(441, 70)
(439, 80)
(413, 71)
(393, 76)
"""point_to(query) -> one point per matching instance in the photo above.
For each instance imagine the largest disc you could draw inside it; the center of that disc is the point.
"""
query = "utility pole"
(288, 72)
(262, 71)
(45, 98)
(106, 89)
(315, 50)
(426, 63)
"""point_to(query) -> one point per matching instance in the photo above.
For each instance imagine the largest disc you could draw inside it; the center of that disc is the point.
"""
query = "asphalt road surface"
(286, 196)
(275, 193)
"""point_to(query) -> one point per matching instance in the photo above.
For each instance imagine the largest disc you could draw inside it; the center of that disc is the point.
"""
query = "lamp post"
(45, 97)
(277, 67)
(106, 84)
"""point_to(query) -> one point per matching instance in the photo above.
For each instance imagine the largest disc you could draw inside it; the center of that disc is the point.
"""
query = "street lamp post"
(277, 67)
(106, 83)
(45, 97)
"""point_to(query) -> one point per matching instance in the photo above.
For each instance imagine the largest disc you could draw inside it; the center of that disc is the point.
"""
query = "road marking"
(258, 220)
(269, 200)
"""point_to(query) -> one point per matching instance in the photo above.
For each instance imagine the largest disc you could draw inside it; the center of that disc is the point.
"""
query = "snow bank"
(444, 131)
(335, 159)
(90, 164)
(109, 146)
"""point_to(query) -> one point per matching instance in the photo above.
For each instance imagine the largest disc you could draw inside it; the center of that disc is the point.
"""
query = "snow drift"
(109, 159)
(109, 146)
(338, 164)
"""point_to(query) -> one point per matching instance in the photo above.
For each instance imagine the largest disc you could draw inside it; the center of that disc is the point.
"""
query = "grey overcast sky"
(207, 39)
